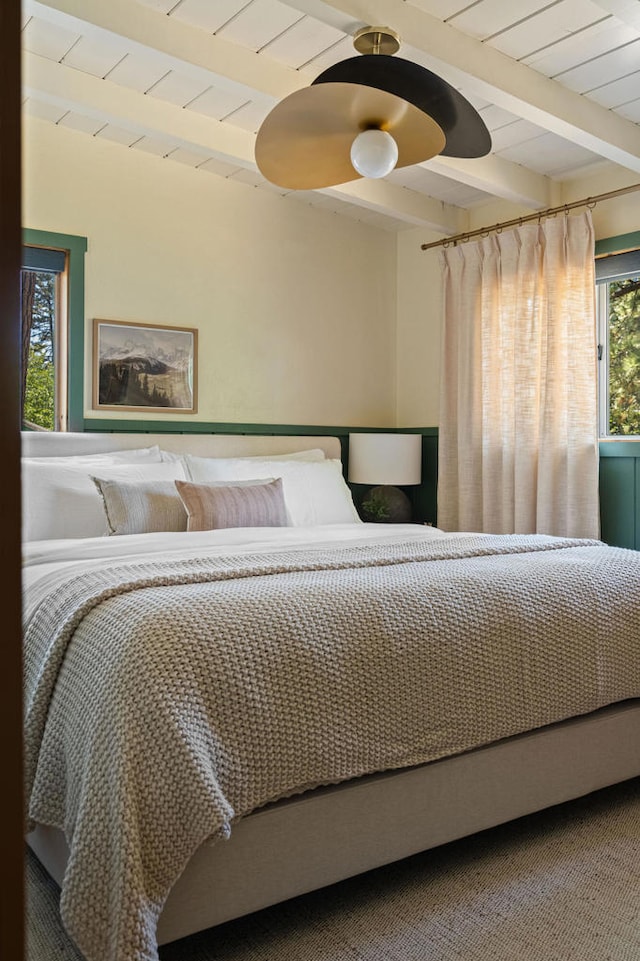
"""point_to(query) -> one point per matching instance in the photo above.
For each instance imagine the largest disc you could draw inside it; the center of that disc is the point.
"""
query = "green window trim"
(615, 245)
(75, 247)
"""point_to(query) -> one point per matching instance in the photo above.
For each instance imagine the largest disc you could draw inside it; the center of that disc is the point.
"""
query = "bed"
(218, 720)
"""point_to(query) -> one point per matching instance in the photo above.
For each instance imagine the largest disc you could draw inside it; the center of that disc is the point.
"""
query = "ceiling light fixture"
(365, 116)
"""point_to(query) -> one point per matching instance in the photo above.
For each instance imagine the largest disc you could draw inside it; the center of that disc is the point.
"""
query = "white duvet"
(41, 558)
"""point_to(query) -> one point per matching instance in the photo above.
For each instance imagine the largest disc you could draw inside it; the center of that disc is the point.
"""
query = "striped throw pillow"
(212, 507)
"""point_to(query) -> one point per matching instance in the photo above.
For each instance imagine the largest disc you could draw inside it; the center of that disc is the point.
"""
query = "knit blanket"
(166, 700)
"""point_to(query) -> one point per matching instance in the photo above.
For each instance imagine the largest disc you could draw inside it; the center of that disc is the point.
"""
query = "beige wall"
(418, 326)
(304, 316)
(419, 290)
(295, 307)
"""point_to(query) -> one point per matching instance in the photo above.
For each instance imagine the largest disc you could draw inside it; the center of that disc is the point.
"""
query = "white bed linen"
(41, 558)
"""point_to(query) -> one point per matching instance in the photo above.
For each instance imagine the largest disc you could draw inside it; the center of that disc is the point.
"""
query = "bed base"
(317, 838)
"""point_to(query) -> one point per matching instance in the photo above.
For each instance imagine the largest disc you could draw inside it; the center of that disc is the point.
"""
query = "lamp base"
(386, 505)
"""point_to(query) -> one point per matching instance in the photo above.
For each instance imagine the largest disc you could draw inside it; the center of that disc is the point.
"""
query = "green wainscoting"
(620, 492)
(424, 497)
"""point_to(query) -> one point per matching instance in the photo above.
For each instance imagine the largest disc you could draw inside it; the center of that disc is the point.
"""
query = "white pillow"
(61, 500)
(146, 455)
(315, 454)
(314, 492)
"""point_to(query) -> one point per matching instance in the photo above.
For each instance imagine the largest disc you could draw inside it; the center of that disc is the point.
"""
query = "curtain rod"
(518, 221)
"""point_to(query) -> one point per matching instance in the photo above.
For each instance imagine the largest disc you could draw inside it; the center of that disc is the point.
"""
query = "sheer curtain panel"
(518, 447)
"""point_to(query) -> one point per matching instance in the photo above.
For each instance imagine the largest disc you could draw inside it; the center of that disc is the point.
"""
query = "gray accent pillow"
(216, 506)
(141, 507)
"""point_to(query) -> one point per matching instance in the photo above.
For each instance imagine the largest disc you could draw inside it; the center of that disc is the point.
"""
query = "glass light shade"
(374, 153)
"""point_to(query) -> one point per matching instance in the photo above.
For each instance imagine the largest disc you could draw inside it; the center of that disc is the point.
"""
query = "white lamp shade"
(385, 459)
(374, 153)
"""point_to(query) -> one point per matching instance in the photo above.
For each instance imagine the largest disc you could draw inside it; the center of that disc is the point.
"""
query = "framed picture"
(144, 367)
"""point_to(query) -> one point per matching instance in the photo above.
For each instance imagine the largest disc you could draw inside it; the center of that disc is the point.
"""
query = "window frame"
(71, 313)
(602, 322)
(619, 245)
(39, 260)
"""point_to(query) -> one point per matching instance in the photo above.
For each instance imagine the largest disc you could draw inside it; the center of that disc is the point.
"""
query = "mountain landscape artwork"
(144, 367)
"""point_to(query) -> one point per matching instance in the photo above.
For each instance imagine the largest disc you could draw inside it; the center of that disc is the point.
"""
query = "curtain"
(518, 438)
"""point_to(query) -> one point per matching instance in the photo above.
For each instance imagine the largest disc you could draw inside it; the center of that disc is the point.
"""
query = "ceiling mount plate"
(376, 40)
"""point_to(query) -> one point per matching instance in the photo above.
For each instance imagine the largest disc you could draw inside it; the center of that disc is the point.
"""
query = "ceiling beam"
(143, 115)
(498, 178)
(402, 203)
(626, 10)
(461, 59)
(192, 52)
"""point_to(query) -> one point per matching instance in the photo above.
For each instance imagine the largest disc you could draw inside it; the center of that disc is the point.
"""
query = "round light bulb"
(374, 153)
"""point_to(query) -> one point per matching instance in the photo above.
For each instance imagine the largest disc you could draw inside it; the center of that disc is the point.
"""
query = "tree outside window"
(618, 315)
(39, 300)
(624, 356)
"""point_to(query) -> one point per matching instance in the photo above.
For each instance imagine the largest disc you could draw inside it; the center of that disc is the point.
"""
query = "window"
(52, 299)
(44, 368)
(618, 313)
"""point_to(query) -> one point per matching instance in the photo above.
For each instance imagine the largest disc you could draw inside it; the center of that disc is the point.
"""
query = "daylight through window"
(43, 300)
(618, 309)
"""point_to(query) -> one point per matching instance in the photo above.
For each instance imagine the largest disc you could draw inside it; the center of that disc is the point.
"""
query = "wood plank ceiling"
(190, 81)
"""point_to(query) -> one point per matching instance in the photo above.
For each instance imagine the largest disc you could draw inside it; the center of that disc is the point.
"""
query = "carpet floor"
(561, 885)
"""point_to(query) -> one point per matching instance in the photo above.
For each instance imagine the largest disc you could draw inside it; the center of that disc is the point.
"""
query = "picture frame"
(144, 367)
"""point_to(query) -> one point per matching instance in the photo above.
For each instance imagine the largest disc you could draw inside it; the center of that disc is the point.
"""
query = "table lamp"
(386, 461)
